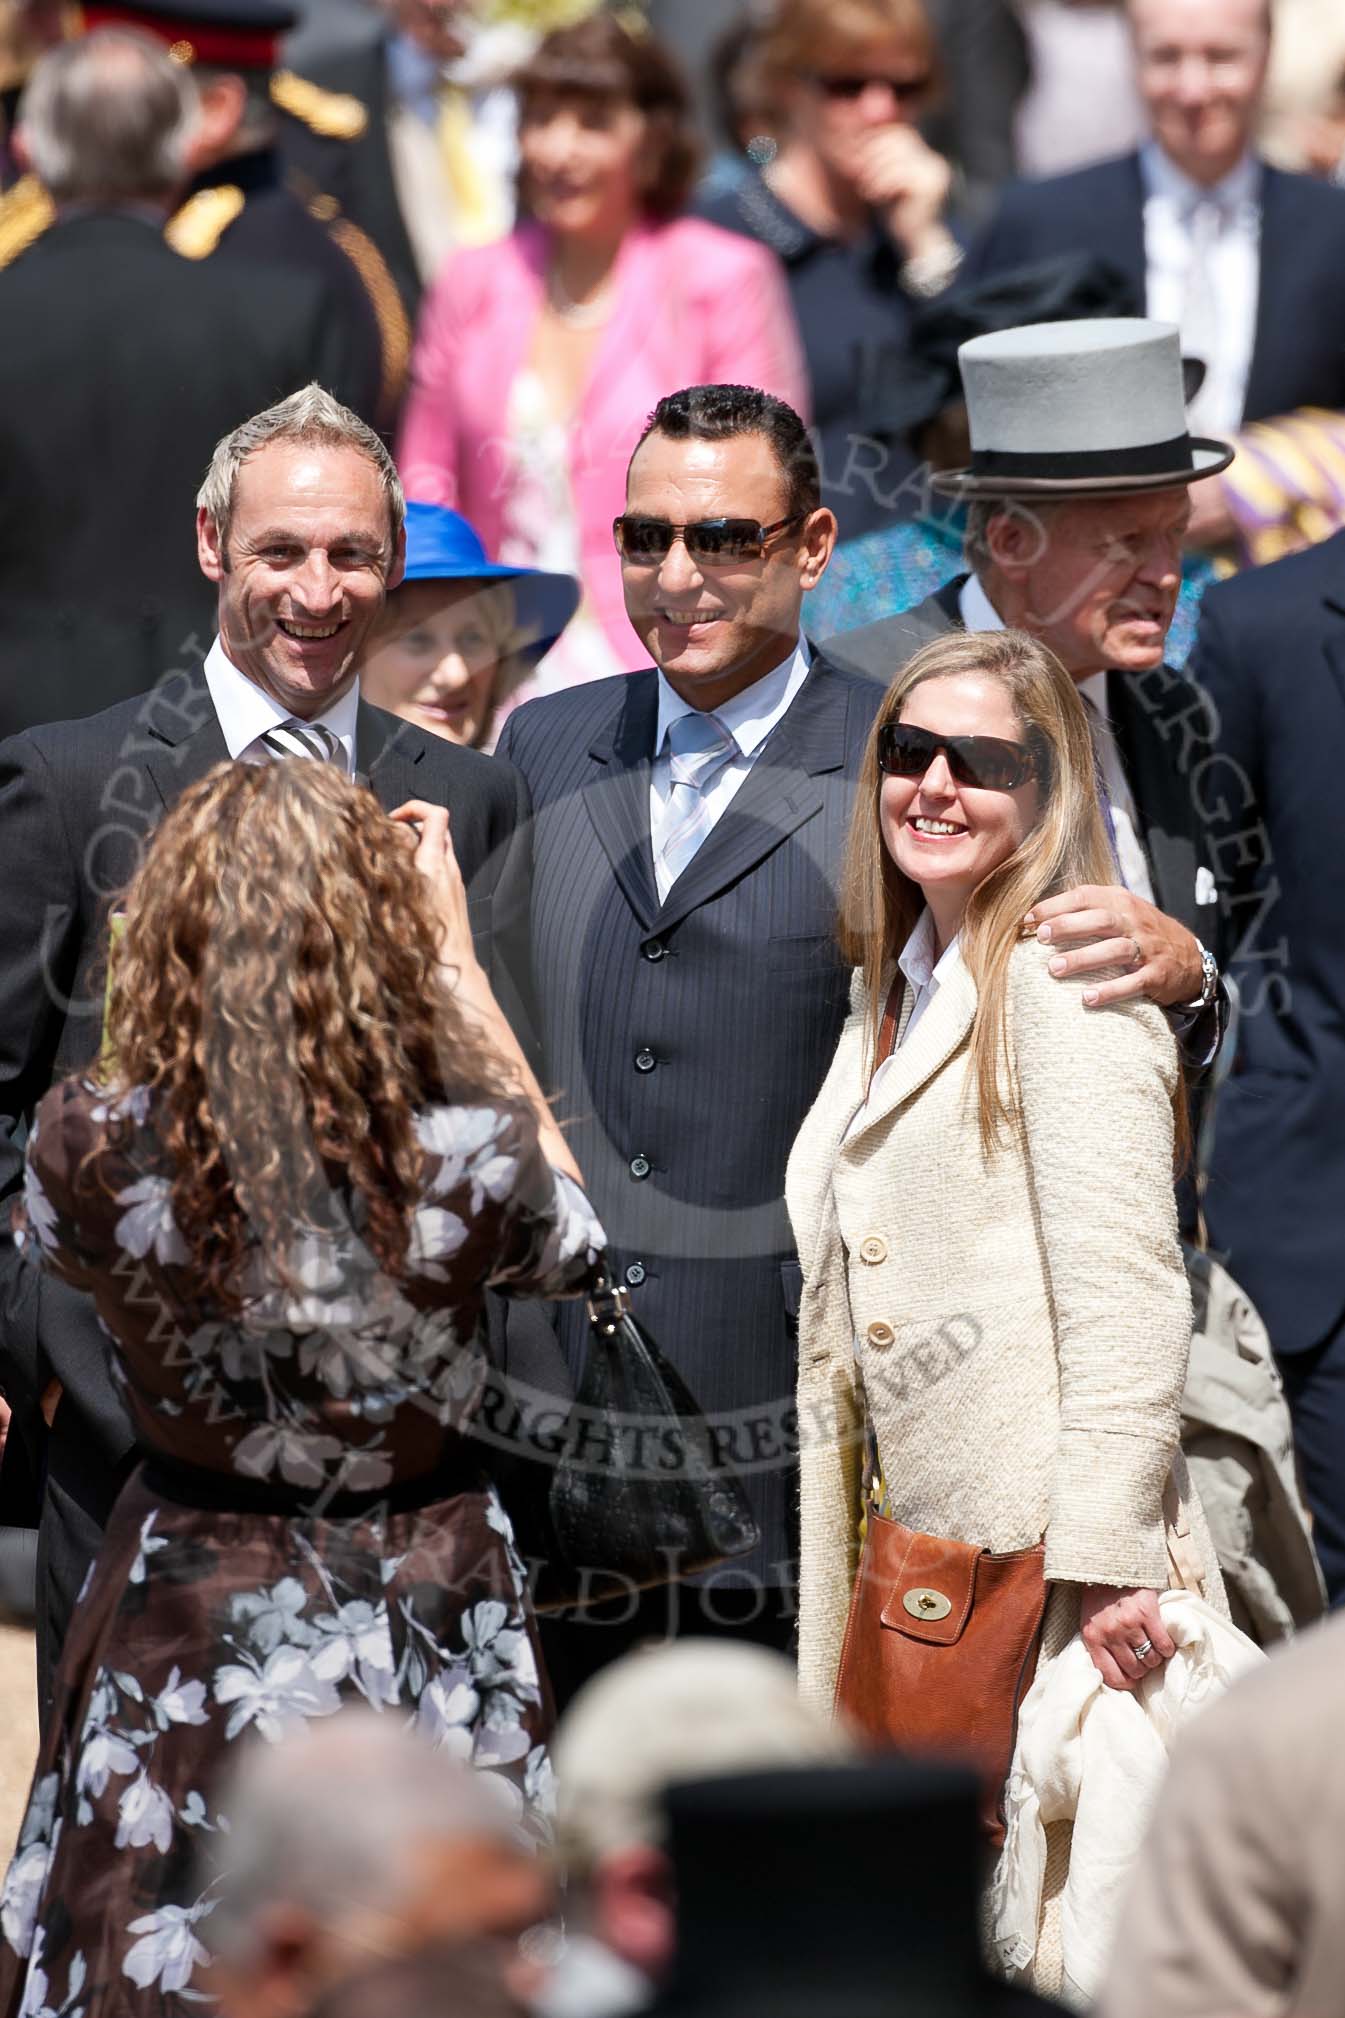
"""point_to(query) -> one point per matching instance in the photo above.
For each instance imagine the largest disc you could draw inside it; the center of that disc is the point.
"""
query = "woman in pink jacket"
(538, 358)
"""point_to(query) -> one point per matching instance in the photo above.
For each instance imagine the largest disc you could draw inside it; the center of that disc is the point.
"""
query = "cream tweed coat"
(1020, 1326)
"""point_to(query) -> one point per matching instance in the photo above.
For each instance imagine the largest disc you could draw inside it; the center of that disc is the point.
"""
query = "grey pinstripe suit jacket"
(687, 1039)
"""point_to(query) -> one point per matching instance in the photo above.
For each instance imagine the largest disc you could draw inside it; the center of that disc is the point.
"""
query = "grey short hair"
(669, 1713)
(334, 1816)
(310, 415)
(106, 118)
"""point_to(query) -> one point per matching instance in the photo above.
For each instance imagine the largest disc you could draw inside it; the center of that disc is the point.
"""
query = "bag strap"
(887, 1029)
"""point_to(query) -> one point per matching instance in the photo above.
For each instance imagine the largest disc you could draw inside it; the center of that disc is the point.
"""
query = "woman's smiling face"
(437, 657)
(948, 837)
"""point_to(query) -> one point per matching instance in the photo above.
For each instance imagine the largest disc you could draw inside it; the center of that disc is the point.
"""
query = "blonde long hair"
(277, 992)
(1067, 846)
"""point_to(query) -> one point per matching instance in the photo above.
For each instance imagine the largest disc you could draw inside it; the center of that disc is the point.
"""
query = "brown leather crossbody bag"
(940, 1648)
(942, 1640)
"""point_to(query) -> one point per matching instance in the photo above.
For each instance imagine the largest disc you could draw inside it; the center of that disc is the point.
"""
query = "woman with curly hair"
(310, 1146)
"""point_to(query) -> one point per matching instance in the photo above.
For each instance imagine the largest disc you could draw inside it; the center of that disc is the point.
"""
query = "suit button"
(635, 1274)
(640, 1166)
(880, 1336)
(653, 949)
(873, 1250)
(645, 1061)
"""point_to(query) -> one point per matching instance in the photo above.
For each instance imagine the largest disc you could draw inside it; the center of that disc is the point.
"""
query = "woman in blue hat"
(460, 635)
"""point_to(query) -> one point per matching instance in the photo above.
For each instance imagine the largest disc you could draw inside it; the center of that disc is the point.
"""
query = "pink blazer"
(693, 305)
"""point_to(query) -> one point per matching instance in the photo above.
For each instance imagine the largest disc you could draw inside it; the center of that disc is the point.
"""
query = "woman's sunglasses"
(906, 90)
(719, 542)
(991, 763)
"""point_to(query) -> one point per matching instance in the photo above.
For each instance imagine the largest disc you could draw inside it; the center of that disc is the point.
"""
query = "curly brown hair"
(276, 988)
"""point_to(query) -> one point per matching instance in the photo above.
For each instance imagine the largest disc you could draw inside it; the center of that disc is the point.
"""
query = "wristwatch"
(1209, 978)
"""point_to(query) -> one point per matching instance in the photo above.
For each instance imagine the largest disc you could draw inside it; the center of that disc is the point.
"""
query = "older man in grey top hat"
(1078, 502)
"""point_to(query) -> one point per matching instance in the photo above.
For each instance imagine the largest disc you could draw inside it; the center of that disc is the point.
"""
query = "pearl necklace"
(578, 314)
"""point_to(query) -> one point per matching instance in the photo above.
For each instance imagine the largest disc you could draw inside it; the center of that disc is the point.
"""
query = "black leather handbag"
(640, 1494)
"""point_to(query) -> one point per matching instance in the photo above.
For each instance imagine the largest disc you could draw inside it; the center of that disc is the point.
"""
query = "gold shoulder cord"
(198, 227)
(26, 211)
(332, 115)
(393, 328)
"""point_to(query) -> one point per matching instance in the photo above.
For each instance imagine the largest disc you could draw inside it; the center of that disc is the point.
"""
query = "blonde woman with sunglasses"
(995, 1320)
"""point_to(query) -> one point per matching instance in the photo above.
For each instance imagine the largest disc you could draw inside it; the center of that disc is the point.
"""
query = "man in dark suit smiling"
(688, 830)
(1249, 261)
(300, 529)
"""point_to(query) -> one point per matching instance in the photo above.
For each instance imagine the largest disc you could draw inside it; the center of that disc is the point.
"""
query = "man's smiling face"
(303, 569)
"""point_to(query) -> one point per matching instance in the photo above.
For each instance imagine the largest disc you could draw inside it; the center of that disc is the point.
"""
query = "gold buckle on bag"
(609, 1303)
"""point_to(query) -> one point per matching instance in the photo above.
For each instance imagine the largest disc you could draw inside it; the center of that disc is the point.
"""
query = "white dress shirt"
(749, 717)
(246, 712)
(922, 967)
(1222, 330)
(978, 613)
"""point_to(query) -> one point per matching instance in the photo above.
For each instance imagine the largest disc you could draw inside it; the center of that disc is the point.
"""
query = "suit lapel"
(183, 738)
(1279, 256)
(948, 599)
(1162, 797)
(1333, 644)
(1123, 236)
(935, 1038)
(387, 752)
(778, 794)
(616, 797)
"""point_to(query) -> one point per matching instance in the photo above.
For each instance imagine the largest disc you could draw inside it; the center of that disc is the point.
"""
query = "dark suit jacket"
(687, 1039)
(1298, 356)
(78, 801)
(1161, 732)
(1270, 654)
(121, 365)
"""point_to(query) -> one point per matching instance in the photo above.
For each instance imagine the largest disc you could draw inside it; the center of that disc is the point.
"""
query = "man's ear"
(817, 545)
(1015, 538)
(398, 568)
(209, 547)
(222, 106)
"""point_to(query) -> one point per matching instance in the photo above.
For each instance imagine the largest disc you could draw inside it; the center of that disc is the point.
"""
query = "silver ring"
(1138, 960)
(1143, 1650)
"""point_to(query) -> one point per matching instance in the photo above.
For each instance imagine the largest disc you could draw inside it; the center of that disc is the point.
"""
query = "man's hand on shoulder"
(1098, 926)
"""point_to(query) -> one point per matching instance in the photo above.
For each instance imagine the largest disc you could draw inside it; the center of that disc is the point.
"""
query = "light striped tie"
(302, 739)
(700, 746)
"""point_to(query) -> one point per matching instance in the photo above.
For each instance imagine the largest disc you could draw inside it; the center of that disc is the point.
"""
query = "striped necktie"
(700, 747)
(302, 739)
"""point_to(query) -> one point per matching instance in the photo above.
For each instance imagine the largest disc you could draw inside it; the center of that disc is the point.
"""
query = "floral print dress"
(308, 1528)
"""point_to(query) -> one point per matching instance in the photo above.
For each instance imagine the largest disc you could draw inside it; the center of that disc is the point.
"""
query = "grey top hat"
(1084, 407)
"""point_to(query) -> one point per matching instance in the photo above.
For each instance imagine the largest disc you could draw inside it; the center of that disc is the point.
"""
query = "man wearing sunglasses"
(689, 827)
(1077, 497)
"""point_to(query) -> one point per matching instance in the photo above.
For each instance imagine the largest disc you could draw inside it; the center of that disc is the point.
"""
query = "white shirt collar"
(246, 712)
(917, 961)
(1094, 689)
(749, 716)
(1162, 177)
(975, 608)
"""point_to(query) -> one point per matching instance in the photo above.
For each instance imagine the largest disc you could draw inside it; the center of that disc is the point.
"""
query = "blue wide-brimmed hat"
(441, 546)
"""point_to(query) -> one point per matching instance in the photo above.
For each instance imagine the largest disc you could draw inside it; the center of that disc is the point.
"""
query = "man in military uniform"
(245, 200)
(121, 364)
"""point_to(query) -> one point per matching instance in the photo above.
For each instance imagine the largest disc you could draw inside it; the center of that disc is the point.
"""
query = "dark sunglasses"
(991, 763)
(906, 90)
(716, 541)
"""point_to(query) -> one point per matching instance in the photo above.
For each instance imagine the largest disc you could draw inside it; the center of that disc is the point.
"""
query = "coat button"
(640, 1166)
(880, 1336)
(645, 1061)
(653, 949)
(635, 1274)
(873, 1250)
